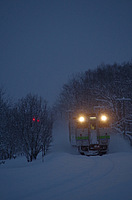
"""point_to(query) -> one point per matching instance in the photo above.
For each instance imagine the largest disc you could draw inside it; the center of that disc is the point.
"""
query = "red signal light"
(33, 119)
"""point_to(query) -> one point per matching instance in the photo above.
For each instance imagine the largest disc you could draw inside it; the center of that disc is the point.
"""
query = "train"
(89, 132)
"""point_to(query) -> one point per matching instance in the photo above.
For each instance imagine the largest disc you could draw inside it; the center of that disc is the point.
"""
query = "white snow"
(65, 174)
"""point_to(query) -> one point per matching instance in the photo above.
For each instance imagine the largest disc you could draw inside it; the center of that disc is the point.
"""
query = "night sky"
(44, 42)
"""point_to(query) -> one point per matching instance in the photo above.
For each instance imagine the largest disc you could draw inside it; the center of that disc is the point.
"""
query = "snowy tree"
(9, 139)
(100, 87)
(4, 110)
(35, 125)
(12, 134)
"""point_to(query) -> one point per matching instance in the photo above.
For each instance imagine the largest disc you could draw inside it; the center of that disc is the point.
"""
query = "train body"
(89, 133)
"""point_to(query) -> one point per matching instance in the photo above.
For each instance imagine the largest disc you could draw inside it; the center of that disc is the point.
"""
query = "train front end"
(90, 133)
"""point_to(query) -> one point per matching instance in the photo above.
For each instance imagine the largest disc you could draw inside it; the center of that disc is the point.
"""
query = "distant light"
(37, 120)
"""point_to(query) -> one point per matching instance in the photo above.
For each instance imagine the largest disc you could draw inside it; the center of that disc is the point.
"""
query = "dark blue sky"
(44, 42)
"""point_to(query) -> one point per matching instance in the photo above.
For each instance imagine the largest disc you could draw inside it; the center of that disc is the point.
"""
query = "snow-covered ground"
(65, 174)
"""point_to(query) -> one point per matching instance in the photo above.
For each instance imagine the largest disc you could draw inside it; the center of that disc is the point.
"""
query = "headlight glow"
(81, 119)
(104, 118)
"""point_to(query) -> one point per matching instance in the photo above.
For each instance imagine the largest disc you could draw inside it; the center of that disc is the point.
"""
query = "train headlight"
(104, 118)
(81, 119)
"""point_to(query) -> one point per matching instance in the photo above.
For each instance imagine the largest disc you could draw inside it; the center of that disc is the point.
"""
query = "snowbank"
(65, 174)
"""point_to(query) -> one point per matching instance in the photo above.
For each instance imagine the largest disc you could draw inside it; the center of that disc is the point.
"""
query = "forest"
(108, 87)
(26, 126)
